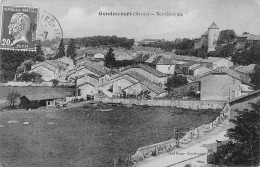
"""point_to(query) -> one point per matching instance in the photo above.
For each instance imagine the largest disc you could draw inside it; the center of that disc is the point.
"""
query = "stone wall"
(187, 104)
(33, 90)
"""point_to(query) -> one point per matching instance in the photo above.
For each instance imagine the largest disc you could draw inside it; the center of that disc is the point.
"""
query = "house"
(53, 69)
(165, 65)
(122, 55)
(244, 39)
(133, 83)
(222, 84)
(87, 85)
(87, 89)
(38, 100)
(198, 70)
(66, 60)
(152, 74)
(96, 55)
(215, 62)
(99, 56)
(88, 67)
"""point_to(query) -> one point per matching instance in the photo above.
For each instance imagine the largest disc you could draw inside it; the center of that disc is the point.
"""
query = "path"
(189, 154)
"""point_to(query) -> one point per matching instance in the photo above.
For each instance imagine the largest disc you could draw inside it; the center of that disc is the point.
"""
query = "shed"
(38, 100)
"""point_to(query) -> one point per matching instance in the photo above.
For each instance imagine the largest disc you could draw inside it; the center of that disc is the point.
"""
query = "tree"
(226, 50)
(243, 147)
(39, 56)
(248, 55)
(110, 59)
(61, 50)
(255, 77)
(27, 77)
(175, 81)
(12, 98)
(202, 53)
(226, 36)
(71, 50)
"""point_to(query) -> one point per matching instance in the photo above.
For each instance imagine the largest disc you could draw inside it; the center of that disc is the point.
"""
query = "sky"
(80, 18)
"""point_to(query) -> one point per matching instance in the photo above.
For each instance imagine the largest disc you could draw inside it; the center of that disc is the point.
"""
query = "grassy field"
(69, 137)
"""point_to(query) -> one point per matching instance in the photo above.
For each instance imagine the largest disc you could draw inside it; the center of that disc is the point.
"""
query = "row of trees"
(178, 44)
(112, 41)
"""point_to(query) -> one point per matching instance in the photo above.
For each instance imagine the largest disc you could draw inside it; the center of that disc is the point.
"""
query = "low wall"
(163, 147)
(44, 83)
(188, 104)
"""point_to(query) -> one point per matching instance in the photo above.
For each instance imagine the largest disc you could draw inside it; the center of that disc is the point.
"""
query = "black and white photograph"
(129, 83)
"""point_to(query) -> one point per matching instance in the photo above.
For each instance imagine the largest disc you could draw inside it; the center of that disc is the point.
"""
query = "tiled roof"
(196, 66)
(243, 36)
(122, 55)
(165, 61)
(147, 69)
(182, 57)
(155, 88)
(85, 84)
(136, 76)
(213, 26)
(44, 96)
(205, 33)
(244, 78)
(143, 80)
(93, 52)
(151, 70)
(93, 67)
(46, 66)
(245, 69)
(252, 37)
(193, 78)
(209, 59)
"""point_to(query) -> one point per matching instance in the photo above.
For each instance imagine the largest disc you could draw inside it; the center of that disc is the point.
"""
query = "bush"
(55, 82)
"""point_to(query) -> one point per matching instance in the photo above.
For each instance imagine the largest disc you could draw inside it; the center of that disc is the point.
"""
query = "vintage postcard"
(133, 83)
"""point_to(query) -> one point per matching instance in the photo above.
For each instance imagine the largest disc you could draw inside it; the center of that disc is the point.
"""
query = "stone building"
(208, 39)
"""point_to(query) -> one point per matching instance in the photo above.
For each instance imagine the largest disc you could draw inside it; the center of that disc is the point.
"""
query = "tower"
(213, 33)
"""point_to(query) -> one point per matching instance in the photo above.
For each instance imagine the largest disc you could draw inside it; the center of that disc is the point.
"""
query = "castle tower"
(213, 33)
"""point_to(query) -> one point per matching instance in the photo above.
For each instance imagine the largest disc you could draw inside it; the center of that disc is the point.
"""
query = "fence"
(162, 147)
(187, 104)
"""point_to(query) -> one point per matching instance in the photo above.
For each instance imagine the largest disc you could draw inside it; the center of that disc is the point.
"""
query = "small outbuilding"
(38, 100)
